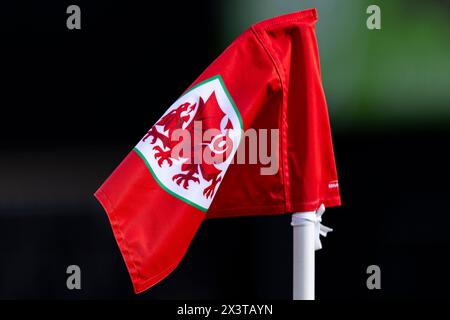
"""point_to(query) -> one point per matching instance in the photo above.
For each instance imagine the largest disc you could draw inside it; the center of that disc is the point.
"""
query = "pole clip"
(302, 218)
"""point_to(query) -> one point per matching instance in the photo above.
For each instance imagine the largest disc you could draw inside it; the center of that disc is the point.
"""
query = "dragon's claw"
(185, 178)
(151, 134)
(209, 191)
(162, 156)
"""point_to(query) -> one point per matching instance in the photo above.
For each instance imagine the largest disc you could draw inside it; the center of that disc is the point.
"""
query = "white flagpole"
(304, 226)
(307, 231)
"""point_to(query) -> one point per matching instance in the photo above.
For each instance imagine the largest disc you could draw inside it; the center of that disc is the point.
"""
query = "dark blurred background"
(74, 102)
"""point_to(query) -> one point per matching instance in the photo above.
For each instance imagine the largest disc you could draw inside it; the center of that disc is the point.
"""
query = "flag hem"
(276, 209)
(118, 236)
(139, 282)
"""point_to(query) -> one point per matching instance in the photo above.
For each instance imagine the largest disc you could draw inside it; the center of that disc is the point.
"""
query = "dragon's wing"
(208, 113)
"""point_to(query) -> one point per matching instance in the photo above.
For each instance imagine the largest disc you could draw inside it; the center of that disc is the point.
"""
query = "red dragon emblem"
(218, 144)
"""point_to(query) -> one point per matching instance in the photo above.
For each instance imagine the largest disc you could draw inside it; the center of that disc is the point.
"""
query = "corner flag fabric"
(266, 82)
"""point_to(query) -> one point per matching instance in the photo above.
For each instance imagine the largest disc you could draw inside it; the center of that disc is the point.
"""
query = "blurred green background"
(397, 76)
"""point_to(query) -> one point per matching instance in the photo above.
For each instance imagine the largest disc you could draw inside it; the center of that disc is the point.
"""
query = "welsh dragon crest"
(190, 147)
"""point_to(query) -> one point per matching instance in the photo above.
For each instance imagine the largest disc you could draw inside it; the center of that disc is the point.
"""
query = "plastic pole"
(304, 224)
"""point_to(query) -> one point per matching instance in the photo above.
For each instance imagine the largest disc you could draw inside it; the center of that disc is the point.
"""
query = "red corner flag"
(267, 83)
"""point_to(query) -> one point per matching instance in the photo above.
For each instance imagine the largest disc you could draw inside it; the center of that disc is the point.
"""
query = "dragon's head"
(186, 107)
(185, 110)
